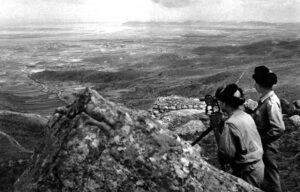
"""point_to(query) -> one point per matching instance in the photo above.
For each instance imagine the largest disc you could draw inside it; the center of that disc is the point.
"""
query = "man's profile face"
(257, 87)
(222, 106)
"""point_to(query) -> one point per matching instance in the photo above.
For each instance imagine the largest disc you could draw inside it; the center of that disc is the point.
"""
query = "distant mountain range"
(190, 22)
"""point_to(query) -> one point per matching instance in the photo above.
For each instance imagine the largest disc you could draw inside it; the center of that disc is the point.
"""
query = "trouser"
(252, 174)
(272, 178)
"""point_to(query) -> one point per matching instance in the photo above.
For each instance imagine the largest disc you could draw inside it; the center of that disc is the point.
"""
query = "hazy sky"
(42, 11)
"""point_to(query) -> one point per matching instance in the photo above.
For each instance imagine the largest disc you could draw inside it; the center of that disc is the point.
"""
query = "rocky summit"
(96, 145)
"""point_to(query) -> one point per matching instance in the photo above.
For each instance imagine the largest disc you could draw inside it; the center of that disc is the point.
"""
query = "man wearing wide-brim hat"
(270, 125)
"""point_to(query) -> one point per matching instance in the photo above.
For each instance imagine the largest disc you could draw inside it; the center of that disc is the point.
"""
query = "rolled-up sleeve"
(276, 124)
(227, 145)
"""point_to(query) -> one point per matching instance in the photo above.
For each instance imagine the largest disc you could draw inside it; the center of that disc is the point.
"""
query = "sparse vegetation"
(190, 65)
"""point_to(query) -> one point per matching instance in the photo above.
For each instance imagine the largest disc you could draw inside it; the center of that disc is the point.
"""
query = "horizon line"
(146, 21)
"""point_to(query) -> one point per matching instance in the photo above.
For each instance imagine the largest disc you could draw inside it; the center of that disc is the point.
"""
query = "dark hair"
(264, 77)
(232, 95)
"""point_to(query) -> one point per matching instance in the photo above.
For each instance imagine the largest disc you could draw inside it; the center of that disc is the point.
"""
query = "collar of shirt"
(266, 96)
(234, 112)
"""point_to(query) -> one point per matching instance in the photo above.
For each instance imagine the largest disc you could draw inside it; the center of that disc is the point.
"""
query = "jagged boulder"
(95, 145)
(187, 123)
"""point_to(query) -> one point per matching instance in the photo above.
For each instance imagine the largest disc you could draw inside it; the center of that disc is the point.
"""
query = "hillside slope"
(96, 145)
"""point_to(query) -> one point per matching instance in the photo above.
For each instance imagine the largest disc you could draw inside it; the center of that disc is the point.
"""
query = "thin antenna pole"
(241, 76)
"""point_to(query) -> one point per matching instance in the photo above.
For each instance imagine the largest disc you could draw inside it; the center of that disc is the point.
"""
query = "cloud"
(43, 11)
(52, 1)
(175, 3)
(233, 10)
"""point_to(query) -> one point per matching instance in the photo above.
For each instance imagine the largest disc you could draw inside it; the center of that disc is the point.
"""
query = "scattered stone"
(174, 119)
(295, 120)
(287, 107)
(196, 100)
(200, 106)
(175, 101)
(165, 107)
(250, 105)
(156, 112)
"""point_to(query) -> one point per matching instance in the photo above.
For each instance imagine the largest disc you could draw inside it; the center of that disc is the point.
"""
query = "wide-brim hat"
(264, 76)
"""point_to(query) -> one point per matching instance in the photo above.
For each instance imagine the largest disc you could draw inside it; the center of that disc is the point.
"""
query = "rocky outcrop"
(184, 116)
(187, 123)
(95, 145)
(191, 130)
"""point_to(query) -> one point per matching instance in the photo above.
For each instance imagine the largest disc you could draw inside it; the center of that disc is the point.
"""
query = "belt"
(245, 167)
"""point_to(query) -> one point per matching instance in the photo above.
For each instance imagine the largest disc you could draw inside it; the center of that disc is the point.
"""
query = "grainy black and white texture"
(96, 145)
